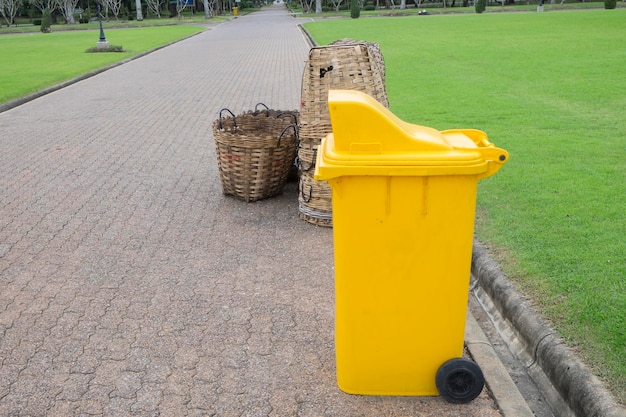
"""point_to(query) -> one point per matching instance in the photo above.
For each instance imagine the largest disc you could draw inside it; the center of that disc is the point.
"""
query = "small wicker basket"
(255, 151)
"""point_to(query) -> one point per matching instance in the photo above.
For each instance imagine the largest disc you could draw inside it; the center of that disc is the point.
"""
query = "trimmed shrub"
(355, 11)
(110, 48)
(46, 21)
(481, 6)
(369, 7)
(610, 4)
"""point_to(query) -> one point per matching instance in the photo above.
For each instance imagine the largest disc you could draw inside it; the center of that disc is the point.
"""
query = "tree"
(41, 5)
(67, 8)
(318, 6)
(306, 5)
(46, 21)
(480, 6)
(114, 6)
(8, 10)
(336, 4)
(181, 5)
(355, 10)
(154, 6)
(208, 12)
(138, 7)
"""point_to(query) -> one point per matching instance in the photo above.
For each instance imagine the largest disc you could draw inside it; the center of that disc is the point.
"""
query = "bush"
(37, 22)
(369, 7)
(355, 12)
(46, 21)
(110, 48)
(481, 6)
(610, 4)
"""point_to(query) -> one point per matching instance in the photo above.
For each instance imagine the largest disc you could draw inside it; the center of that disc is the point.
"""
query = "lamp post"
(102, 42)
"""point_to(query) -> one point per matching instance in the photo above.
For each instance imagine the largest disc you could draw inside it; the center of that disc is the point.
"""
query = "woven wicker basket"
(338, 67)
(307, 153)
(314, 200)
(255, 151)
(373, 50)
(344, 65)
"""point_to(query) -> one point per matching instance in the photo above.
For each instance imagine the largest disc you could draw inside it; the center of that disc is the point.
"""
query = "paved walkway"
(130, 286)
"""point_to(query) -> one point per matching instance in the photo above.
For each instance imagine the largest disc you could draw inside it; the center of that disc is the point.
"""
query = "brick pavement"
(129, 285)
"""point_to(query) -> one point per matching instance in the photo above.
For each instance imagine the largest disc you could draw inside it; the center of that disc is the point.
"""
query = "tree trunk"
(138, 7)
(8, 10)
(207, 11)
(68, 11)
(318, 6)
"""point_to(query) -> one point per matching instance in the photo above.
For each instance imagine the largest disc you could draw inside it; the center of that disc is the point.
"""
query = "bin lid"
(368, 139)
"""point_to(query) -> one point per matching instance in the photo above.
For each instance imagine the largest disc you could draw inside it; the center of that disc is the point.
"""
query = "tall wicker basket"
(255, 151)
(344, 65)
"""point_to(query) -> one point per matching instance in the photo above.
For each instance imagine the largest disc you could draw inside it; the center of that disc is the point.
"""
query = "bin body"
(402, 255)
(403, 238)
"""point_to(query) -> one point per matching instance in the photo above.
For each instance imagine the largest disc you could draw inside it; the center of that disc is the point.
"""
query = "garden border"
(578, 387)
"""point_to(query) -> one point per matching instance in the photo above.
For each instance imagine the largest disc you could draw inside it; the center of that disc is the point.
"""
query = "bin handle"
(295, 131)
(495, 157)
(231, 113)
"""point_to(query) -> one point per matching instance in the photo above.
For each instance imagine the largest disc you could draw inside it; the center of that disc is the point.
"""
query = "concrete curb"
(579, 388)
(307, 36)
(510, 401)
(22, 100)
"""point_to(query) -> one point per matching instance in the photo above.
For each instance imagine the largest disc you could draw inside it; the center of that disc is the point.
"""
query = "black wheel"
(459, 381)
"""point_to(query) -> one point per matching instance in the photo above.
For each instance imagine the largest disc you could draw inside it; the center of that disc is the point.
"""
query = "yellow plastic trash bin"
(403, 201)
(235, 11)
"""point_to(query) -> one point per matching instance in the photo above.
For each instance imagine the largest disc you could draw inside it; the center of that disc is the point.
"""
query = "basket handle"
(295, 117)
(323, 71)
(295, 131)
(304, 197)
(301, 167)
(231, 113)
(267, 109)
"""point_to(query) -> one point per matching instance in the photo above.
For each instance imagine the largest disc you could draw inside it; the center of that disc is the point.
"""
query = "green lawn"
(550, 88)
(437, 9)
(39, 60)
